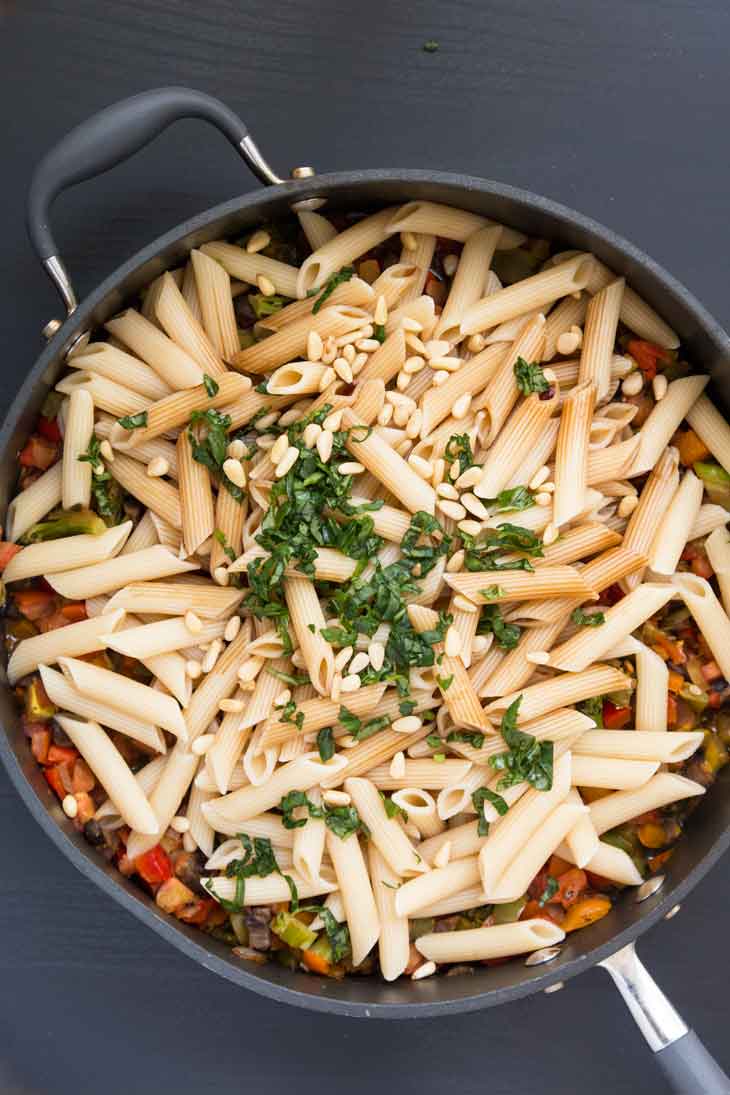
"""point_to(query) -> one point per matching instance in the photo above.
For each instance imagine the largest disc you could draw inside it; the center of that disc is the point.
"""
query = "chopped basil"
(478, 798)
(343, 821)
(458, 448)
(212, 386)
(492, 592)
(434, 741)
(379, 332)
(445, 682)
(326, 743)
(134, 421)
(407, 707)
(516, 498)
(107, 494)
(220, 536)
(551, 888)
(391, 808)
(291, 802)
(331, 284)
(587, 619)
(530, 377)
(491, 621)
(528, 760)
(258, 860)
(362, 730)
(475, 738)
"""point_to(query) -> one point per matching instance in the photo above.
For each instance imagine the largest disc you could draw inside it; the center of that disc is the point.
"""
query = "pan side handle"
(112, 136)
(687, 1065)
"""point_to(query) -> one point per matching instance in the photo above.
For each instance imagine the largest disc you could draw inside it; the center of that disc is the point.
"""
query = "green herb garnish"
(492, 592)
(379, 332)
(211, 386)
(551, 888)
(362, 730)
(331, 284)
(530, 377)
(444, 683)
(479, 797)
(458, 448)
(587, 619)
(343, 821)
(326, 743)
(220, 536)
(134, 421)
(258, 860)
(491, 621)
(528, 759)
(107, 494)
(291, 802)
(475, 738)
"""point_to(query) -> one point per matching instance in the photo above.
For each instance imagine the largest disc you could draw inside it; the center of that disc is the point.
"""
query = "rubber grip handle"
(690, 1069)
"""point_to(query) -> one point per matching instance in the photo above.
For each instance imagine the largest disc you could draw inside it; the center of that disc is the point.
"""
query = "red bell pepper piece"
(61, 754)
(38, 453)
(55, 782)
(75, 612)
(48, 428)
(647, 355)
(33, 603)
(7, 551)
(154, 866)
(615, 717)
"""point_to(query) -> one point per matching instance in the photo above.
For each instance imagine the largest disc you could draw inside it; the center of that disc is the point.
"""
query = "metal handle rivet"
(649, 888)
(672, 912)
(554, 988)
(545, 954)
(51, 327)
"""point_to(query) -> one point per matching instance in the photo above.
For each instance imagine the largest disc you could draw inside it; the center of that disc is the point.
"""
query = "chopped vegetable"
(293, 931)
(586, 911)
(39, 453)
(65, 523)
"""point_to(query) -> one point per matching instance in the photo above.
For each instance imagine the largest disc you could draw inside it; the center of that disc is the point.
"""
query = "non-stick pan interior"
(706, 345)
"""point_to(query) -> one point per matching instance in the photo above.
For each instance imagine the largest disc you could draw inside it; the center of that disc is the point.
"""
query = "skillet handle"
(688, 1067)
(108, 138)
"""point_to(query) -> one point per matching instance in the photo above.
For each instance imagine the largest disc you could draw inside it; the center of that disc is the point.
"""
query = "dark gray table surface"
(618, 109)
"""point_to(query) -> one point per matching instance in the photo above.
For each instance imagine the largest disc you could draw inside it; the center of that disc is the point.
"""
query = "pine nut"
(236, 449)
(193, 670)
(232, 628)
(342, 658)
(350, 683)
(248, 670)
(421, 467)
(350, 467)
(398, 765)
(402, 381)
(380, 314)
(400, 400)
(447, 490)
(569, 341)
(368, 345)
(450, 364)
(439, 377)
(336, 687)
(211, 656)
(401, 415)
(324, 445)
(232, 706)
(476, 344)
(336, 798)
(234, 470)
(659, 386)
(474, 505)
(410, 324)
(343, 370)
(349, 353)
(439, 470)
(376, 655)
(268, 420)
(385, 414)
(157, 466)
(287, 462)
(450, 263)
(452, 509)
(464, 604)
(461, 406)
(456, 562)
(107, 451)
(538, 657)
(409, 241)
(627, 505)
(544, 498)
(311, 433)
(221, 576)
(282, 444)
(413, 425)
(469, 528)
(469, 478)
(359, 363)
(437, 347)
(414, 365)
(283, 698)
(424, 970)
(328, 377)
(359, 662)
(265, 285)
(408, 724)
(193, 623)
(539, 477)
(70, 806)
(633, 383)
(333, 421)
(452, 642)
(414, 343)
(179, 824)
(479, 645)
(550, 534)
(258, 241)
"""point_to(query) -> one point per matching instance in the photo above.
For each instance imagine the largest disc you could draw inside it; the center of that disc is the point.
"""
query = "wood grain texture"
(613, 109)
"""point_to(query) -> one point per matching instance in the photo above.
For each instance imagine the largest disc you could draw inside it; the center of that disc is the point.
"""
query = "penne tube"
(196, 496)
(436, 885)
(709, 518)
(472, 376)
(612, 462)
(106, 426)
(468, 282)
(320, 712)
(708, 614)
(521, 431)
(634, 745)
(661, 790)
(206, 600)
(316, 228)
(161, 637)
(562, 691)
(240, 264)
(112, 363)
(393, 943)
(76, 477)
(447, 222)
(329, 565)
(514, 670)
(298, 775)
(68, 698)
(368, 754)
(74, 640)
(386, 363)
(663, 420)
(429, 774)
(357, 895)
(571, 454)
(541, 845)
(556, 726)
(169, 361)
(165, 799)
(146, 779)
(54, 556)
(266, 825)
(392, 283)
(470, 898)
(612, 863)
(98, 578)
(355, 292)
(539, 455)
(225, 752)
(112, 771)
(421, 310)
(582, 840)
(654, 502)
(493, 587)
(228, 532)
(717, 546)
(387, 466)
(670, 538)
(517, 829)
(340, 251)
(309, 840)
(184, 326)
(199, 828)
(269, 890)
(33, 503)
(296, 378)
(118, 691)
(507, 332)
(635, 313)
(153, 492)
(421, 258)
(614, 773)
(421, 809)
(305, 611)
(386, 832)
(497, 941)
(591, 644)
(457, 691)
(599, 337)
(652, 689)
(530, 293)
(290, 342)
(502, 392)
(175, 410)
(106, 394)
(571, 312)
(711, 427)
(216, 304)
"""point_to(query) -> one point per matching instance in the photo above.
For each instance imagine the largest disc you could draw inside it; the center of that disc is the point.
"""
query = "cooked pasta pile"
(368, 591)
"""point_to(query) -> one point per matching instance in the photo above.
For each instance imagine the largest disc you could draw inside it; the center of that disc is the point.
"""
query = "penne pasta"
(615, 773)
(216, 304)
(196, 497)
(112, 363)
(563, 690)
(520, 433)
(713, 622)
(661, 789)
(98, 578)
(484, 587)
(154, 493)
(119, 692)
(445, 221)
(709, 425)
(663, 420)
(68, 698)
(54, 556)
(599, 336)
(387, 466)
(393, 942)
(73, 641)
(184, 326)
(355, 888)
(246, 267)
(631, 745)
(34, 502)
(385, 832)
(571, 454)
(307, 620)
(469, 281)
(533, 292)
(717, 546)
(497, 941)
(169, 361)
(670, 538)
(76, 478)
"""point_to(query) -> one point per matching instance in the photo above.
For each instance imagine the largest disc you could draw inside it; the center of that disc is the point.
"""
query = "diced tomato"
(154, 866)
(558, 866)
(55, 782)
(83, 778)
(702, 567)
(33, 603)
(598, 882)
(61, 754)
(197, 911)
(75, 612)
(38, 453)
(533, 910)
(7, 551)
(647, 355)
(52, 622)
(570, 886)
(691, 449)
(615, 717)
(612, 594)
(40, 741)
(315, 962)
(48, 428)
